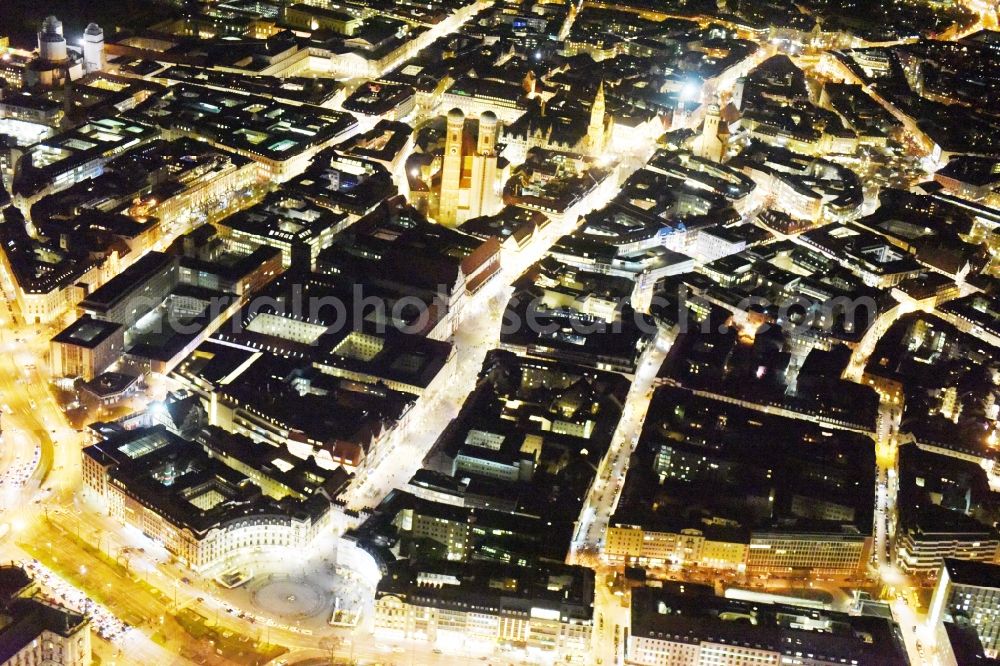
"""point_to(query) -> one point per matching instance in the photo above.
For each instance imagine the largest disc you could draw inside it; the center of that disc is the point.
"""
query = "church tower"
(451, 170)
(483, 197)
(738, 92)
(596, 133)
(486, 145)
(709, 146)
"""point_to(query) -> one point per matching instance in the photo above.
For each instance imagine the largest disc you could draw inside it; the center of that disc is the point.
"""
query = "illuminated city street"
(607, 485)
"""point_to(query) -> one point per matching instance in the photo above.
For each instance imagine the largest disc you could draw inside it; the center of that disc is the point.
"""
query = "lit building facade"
(35, 631)
(921, 551)
(544, 610)
(205, 520)
(86, 348)
(808, 553)
(634, 545)
(969, 593)
(470, 180)
(709, 146)
(684, 623)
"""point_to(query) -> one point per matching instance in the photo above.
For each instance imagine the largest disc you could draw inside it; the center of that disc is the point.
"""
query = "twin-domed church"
(470, 180)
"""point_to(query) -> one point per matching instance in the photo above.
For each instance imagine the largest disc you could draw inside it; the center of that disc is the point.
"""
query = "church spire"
(596, 132)
(597, 110)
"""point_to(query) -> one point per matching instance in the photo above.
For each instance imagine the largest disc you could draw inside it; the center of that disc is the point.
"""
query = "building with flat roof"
(530, 436)
(155, 312)
(246, 124)
(288, 221)
(101, 93)
(76, 154)
(390, 101)
(970, 177)
(86, 348)
(576, 316)
(720, 548)
(31, 108)
(548, 607)
(299, 89)
(135, 291)
(200, 509)
(293, 323)
(345, 183)
(209, 261)
(941, 499)
(960, 646)
(285, 401)
(388, 143)
(416, 527)
(968, 593)
(933, 533)
(718, 486)
(397, 249)
(161, 186)
(82, 236)
(791, 553)
(683, 623)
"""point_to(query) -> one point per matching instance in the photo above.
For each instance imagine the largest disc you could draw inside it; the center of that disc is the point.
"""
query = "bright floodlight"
(690, 90)
(157, 410)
